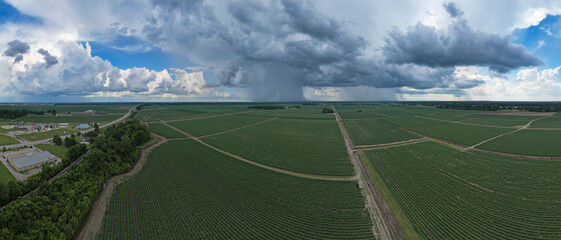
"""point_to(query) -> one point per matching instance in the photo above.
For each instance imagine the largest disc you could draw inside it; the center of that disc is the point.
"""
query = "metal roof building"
(32, 161)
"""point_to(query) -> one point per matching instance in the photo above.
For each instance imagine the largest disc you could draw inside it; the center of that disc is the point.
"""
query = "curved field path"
(93, 221)
(292, 173)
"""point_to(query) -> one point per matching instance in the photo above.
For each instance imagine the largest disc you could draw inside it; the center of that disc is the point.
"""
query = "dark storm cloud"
(50, 60)
(452, 9)
(15, 48)
(276, 48)
(18, 58)
(458, 45)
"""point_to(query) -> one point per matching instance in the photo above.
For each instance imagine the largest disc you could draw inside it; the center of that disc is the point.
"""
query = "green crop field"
(310, 146)
(200, 127)
(65, 108)
(461, 133)
(175, 112)
(59, 151)
(69, 119)
(189, 191)
(550, 122)
(528, 142)
(452, 194)
(373, 131)
(140, 115)
(7, 140)
(497, 122)
(46, 134)
(165, 131)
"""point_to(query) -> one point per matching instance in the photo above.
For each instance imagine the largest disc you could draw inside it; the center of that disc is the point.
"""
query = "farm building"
(31, 160)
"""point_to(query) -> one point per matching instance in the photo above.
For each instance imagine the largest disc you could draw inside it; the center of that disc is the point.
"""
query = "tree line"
(57, 209)
(17, 113)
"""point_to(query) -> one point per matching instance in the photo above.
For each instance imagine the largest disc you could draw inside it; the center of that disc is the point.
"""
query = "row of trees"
(494, 106)
(57, 209)
(17, 113)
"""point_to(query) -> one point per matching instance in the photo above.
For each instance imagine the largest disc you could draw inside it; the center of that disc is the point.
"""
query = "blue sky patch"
(10, 14)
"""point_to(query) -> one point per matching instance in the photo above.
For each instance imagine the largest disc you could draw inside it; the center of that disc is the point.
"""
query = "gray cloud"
(458, 45)
(15, 48)
(50, 60)
(452, 9)
(18, 58)
(276, 48)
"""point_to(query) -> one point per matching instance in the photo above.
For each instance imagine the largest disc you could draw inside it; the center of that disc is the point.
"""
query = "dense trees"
(58, 207)
(17, 113)
(327, 110)
(57, 140)
(69, 142)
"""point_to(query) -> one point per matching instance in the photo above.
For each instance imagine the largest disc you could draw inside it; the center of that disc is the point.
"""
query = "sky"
(279, 50)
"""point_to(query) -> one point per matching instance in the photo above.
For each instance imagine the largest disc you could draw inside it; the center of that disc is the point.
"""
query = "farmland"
(189, 191)
(200, 127)
(309, 146)
(450, 194)
(528, 142)
(242, 164)
(374, 131)
(165, 131)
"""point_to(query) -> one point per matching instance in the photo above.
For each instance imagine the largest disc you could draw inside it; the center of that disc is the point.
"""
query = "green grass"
(200, 127)
(461, 133)
(46, 134)
(7, 140)
(373, 131)
(165, 131)
(452, 194)
(528, 142)
(5, 175)
(189, 191)
(310, 146)
(69, 119)
(59, 151)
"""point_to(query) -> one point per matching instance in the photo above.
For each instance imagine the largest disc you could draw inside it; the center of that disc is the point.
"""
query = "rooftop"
(32, 159)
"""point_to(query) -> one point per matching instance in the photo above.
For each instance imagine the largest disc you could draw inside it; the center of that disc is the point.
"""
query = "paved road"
(44, 141)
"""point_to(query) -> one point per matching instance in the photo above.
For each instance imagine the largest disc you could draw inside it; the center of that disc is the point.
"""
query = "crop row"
(310, 146)
(451, 194)
(189, 191)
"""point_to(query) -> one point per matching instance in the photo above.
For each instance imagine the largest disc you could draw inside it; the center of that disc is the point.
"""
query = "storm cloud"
(452, 9)
(458, 45)
(276, 48)
(16, 49)
(50, 60)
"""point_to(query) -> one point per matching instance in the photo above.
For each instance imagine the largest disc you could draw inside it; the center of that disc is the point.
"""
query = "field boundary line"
(385, 226)
(279, 170)
(390, 144)
(235, 129)
(91, 224)
(202, 117)
(465, 123)
(375, 176)
(504, 134)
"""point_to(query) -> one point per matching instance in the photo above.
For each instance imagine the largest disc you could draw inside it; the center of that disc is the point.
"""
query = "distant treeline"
(17, 113)
(273, 107)
(494, 106)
